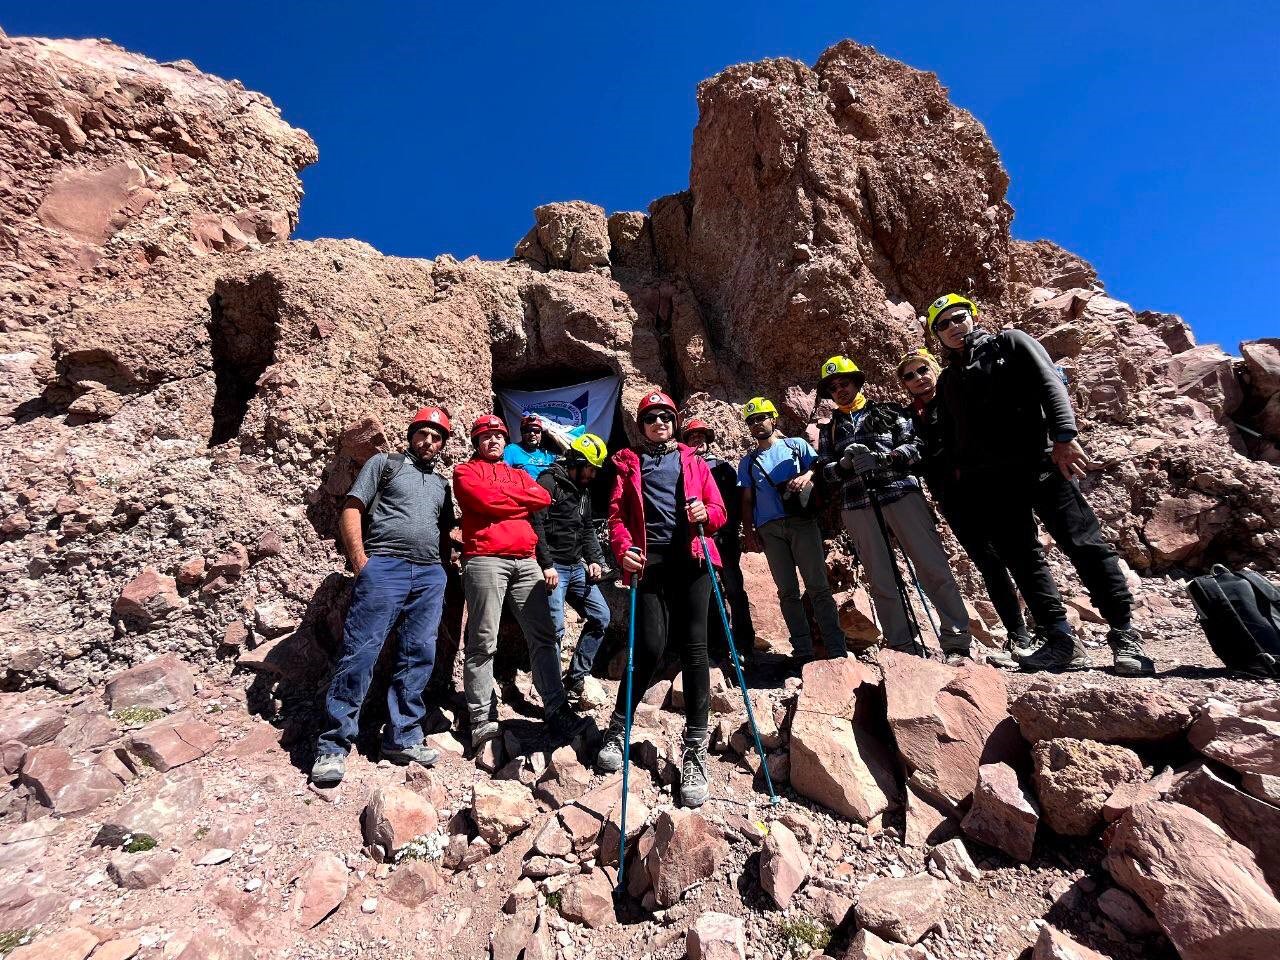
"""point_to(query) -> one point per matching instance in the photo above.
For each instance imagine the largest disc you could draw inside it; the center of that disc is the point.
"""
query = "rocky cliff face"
(187, 393)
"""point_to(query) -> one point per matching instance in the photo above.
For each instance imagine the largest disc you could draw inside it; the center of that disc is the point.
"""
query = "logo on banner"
(571, 413)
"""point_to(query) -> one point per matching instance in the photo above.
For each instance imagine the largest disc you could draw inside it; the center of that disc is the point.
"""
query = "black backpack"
(1240, 616)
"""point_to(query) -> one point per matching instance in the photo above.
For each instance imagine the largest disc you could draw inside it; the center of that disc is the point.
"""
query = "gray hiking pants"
(796, 542)
(911, 522)
(488, 583)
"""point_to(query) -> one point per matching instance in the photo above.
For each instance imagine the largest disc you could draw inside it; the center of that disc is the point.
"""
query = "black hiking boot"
(1061, 650)
(1126, 648)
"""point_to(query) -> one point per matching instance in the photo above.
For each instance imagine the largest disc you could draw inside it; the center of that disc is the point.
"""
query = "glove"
(859, 460)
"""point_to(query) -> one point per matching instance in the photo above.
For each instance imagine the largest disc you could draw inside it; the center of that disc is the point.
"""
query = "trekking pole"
(924, 602)
(903, 596)
(632, 580)
(737, 664)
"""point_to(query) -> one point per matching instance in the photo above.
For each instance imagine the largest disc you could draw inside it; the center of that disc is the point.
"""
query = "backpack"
(393, 466)
(1240, 616)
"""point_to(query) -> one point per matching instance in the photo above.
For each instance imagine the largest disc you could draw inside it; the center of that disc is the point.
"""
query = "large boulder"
(716, 936)
(843, 767)
(1002, 815)
(946, 722)
(686, 848)
(395, 816)
(1245, 738)
(1136, 713)
(163, 683)
(902, 909)
(1205, 890)
(1247, 820)
(1074, 778)
(783, 864)
(501, 809)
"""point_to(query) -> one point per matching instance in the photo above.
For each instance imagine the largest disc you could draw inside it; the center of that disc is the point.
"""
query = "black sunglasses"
(758, 418)
(660, 417)
(910, 375)
(943, 322)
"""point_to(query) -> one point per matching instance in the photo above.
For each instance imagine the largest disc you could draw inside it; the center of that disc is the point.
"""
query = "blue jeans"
(388, 589)
(587, 599)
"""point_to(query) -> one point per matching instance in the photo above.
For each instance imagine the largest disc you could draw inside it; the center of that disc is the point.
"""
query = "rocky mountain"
(186, 393)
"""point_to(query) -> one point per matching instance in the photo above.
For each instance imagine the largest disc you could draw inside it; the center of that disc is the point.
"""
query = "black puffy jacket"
(566, 534)
(1001, 404)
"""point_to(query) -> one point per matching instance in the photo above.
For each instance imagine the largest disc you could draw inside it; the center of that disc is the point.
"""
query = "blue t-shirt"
(787, 458)
(532, 463)
(660, 484)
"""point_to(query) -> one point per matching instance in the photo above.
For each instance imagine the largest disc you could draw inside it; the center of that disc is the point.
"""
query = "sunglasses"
(943, 322)
(758, 418)
(649, 418)
(910, 375)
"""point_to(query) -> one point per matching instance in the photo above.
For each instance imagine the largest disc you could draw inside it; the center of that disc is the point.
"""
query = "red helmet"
(531, 420)
(656, 399)
(488, 423)
(437, 417)
(695, 424)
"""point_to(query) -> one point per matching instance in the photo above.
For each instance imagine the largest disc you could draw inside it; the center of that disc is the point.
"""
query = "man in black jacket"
(569, 552)
(1005, 419)
(699, 435)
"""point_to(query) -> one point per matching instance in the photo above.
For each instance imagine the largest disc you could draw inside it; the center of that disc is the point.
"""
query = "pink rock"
(191, 572)
(93, 205)
(588, 899)
(124, 948)
(414, 883)
(501, 809)
(163, 683)
(396, 815)
(138, 871)
(843, 767)
(686, 849)
(1134, 714)
(1248, 743)
(1182, 527)
(33, 727)
(1002, 815)
(1247, 820)
(867, 946)
(66, 786)
(716, 936)
(164, 810)
(953, 861)
(926, 822)
(553, 840)
(1074, 778)
(322, 887)
(858, 619)
(166, 746)
(1205, 890)
(1134, 792)
(946, 722)
(146, 598)
(1053, 944)
(1207, 374)
(230, 565)
(783, 865)
(269, 545)
(1127, 913)
(829, 686)
(901, 909)
(73, 944)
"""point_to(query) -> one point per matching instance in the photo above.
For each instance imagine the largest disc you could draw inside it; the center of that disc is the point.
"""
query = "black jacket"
(726, 478)
(1000, 406)
(566, 534)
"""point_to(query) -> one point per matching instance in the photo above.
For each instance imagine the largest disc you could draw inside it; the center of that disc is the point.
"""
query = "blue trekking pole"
(632, 581)
(733, 652)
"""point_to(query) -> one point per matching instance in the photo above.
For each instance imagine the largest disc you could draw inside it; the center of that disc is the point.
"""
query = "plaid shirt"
(881, 428)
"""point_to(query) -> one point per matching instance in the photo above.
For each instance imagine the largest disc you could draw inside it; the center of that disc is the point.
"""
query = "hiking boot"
(328, 769)
(693, 772)
(1022, 644)
(482, 733)
(1061, 650)
(574, 687)
(418, 753)
(609, 758)
(1000, 658)
(564, 724)
(957, 658)
(1126, 648)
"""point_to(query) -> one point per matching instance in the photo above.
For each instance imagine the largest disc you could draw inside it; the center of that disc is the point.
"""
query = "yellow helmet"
(916, 355)
(950, 300)
(592, 448)
(758, 405)
(838, 366)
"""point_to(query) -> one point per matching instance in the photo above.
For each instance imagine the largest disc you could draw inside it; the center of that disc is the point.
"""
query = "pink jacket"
(626, 506)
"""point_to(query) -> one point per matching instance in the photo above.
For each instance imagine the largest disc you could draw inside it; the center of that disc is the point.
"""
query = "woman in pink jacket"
(662, 492)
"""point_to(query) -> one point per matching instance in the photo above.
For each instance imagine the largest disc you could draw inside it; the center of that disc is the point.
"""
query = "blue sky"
(1142, 136)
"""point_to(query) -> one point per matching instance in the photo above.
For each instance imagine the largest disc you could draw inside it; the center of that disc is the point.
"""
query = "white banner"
(581, 408)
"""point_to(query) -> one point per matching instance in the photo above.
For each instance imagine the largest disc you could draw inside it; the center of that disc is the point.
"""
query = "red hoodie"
(496, 501)
(626, 506)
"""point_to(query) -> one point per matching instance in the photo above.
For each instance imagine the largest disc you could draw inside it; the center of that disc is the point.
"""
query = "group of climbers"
(992, 434)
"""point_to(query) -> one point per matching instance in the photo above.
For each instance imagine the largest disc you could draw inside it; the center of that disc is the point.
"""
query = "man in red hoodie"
(498, 567)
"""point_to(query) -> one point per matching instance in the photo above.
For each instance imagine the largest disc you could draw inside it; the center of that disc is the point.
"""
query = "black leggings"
(674, 599)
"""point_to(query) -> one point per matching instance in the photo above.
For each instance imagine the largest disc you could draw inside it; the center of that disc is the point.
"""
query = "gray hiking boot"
(693, 772)
(1061, 650)
(328, 769)
(1000, 658)
(957, 658)
(1022, 644)
(1126, 648)
(482, 732)
(418, 753)
(609, 758)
